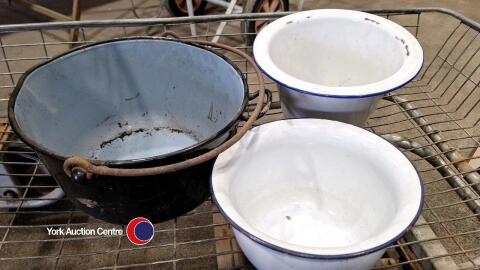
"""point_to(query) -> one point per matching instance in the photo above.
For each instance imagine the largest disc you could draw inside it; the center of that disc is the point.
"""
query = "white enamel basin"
(316, 194)
(334, 64)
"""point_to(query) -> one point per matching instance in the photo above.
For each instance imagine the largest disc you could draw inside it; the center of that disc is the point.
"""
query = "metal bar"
(459, 72)
(448, 55)
(206, 18)
(446, 166)
(76, 13)
(455, 157)
(191, 14)
(432, 248)
(43, 10)
(62, 242)
(7, 63)
(472, 203)
(119, 245)
(5, 235)
(450, 234)
(222, 24)
(222, 3)
(300, 5)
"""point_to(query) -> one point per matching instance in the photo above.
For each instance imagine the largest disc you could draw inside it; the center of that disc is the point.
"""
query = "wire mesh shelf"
(434, 120)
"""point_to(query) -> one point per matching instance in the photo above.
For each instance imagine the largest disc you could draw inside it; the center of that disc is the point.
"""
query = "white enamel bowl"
(315, 194)
(334, 63)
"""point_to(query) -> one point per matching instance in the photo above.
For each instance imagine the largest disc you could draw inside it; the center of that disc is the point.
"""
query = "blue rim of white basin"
(413, 60)
(220, 185)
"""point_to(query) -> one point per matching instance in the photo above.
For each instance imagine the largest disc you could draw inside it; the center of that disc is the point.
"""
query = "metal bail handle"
(265, 109)
(80, 170)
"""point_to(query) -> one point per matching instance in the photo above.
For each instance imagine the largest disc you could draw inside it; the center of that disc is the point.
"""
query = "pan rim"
(178, 153)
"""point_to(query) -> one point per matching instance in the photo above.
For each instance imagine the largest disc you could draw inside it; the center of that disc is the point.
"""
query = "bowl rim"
(186, 151)
(410, 68)
(257, 237)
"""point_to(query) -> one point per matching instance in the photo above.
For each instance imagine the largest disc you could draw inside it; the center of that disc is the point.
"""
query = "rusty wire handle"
(266, 108)
(80, 169)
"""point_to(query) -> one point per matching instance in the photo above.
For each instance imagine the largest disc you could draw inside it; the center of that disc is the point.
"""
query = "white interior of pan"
(129, 99)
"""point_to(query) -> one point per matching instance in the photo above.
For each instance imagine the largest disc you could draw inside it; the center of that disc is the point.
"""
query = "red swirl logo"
(140, 231)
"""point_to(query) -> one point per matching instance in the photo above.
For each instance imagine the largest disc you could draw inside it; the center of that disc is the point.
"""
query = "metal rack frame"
(76, 13)
(434, 120)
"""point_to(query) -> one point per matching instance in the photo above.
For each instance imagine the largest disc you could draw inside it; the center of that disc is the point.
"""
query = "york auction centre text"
(83, 231)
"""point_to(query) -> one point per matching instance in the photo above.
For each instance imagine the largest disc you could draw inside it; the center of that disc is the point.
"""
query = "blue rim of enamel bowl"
(411, 67)
(326, 256)
(336, 96)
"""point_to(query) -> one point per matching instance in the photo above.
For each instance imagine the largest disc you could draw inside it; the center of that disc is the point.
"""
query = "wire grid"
(445, 95)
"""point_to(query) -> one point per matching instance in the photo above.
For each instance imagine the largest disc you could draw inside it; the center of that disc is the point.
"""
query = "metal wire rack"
(434, 120)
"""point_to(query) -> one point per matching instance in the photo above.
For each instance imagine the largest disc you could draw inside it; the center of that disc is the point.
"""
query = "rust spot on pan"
(406, 49)
(212, 117)
(134, 97)
(120, 125)
(105, 119)
(370, 20)
(400, 39)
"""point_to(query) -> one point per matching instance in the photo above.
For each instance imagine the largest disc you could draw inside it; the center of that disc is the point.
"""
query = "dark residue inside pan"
(190, 133)
(120, 125)
(122, 135)
(126, 133)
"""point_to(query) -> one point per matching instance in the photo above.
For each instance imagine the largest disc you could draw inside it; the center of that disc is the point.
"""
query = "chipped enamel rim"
(410, 68)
